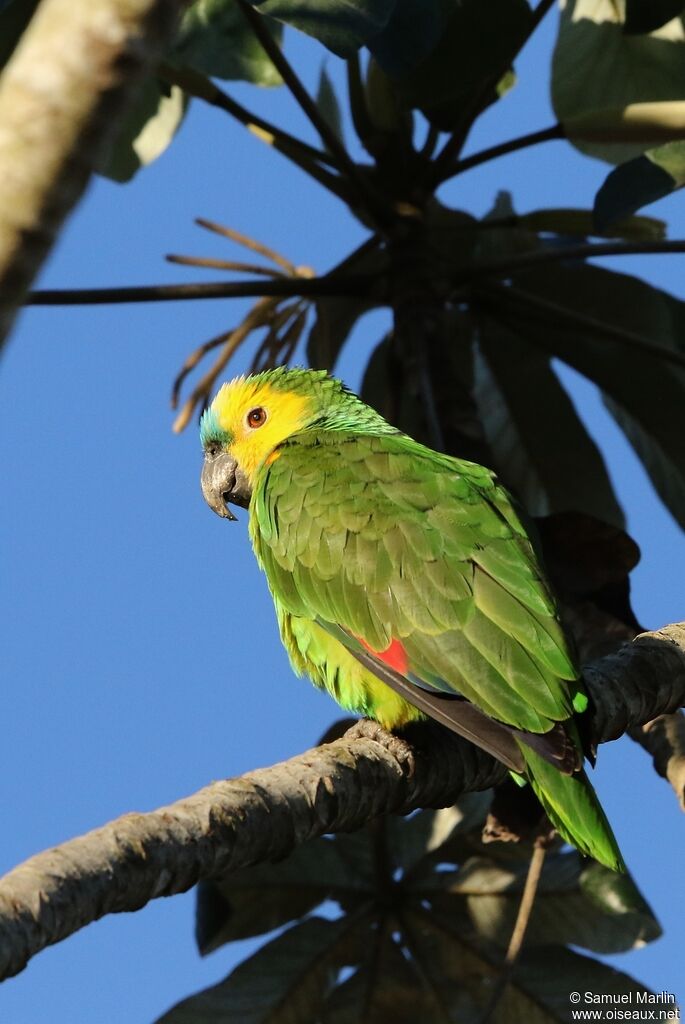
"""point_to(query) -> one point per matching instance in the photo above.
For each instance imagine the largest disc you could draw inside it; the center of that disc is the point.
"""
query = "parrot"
(405, 582)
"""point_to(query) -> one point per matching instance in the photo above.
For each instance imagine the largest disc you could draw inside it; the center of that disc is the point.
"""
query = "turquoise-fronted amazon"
(404, 581)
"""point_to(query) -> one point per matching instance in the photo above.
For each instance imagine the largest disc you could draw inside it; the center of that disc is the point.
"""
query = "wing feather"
(390, 540)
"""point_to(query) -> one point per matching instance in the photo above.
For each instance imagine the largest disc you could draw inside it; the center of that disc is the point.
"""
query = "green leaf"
(258, 899)
(429, 833)
(411, 33)
(476, 42)
(640, 181)
(14, 17)
(577, 904)
(385, 988)
(147, 129)
(328, 105)
(214, 38)
(647, 15)
(649, 389)
(555, 469)
(596, 66)
(667, 477)
(462, 971)
(341, 25)
(569, 221)
(550, 974)
(336, 316)
(284, 982)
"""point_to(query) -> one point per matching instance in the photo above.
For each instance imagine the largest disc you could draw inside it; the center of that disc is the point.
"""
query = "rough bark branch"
(263, 815)
(61, 94)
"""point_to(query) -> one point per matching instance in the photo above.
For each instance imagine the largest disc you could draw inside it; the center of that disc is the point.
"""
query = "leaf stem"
(454, 144)
(518, 934)
(357, 285)
(306, 157)
(344, 162)
(203, 88)
(555, 131)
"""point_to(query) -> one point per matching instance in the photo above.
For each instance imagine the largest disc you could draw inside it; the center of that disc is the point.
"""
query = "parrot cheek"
(224, 481)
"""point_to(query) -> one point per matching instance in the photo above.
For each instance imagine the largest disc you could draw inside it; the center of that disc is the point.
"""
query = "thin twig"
(249, 243)
(370, 200)
(554, 311)
(454, 144)
(358, 285)
(193, 359)
(257, 317)
(556, 131)
(204, 261)
(518, 934)
(273, 343)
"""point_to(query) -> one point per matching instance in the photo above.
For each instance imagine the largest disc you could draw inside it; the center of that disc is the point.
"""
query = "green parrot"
(404, 581)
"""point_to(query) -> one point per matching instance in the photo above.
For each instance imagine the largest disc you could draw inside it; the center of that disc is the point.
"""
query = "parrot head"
(251, 417)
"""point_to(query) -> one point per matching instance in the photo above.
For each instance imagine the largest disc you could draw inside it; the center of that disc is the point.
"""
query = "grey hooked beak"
(222, 481)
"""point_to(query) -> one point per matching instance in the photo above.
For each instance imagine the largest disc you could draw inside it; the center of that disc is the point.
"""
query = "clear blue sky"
(141, 657)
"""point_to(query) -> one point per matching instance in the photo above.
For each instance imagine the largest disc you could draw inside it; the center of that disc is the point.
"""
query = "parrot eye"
(256, 417)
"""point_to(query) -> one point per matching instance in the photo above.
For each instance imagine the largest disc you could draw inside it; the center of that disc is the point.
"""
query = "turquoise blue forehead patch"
(210, 430)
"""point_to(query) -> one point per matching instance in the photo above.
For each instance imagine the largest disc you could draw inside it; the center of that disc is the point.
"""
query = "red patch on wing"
(395, 655)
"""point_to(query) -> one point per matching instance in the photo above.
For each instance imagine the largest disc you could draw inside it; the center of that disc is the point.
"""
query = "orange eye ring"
(256, 417)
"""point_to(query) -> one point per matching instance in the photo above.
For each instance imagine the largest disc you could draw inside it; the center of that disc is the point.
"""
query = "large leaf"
(577, 904)
(14, 17)
(411, 33)
(640, 181)
(549, 976)
(146, 130)
(285, 982)
(597, 66)
(463, 971)
(341, 25)
(426, 834)
(551, 468)
(649, 389)
(475, 44)
(384, 988)
(258, 899)
(570, 221)
(667, 477)
(214, 38)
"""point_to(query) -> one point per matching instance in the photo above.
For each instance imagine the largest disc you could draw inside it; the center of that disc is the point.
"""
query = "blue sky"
(141, 653)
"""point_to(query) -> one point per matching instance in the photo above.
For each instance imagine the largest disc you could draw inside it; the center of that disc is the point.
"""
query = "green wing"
(392, 541)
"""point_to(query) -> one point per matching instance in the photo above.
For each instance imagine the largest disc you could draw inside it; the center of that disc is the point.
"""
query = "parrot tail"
(572, 806)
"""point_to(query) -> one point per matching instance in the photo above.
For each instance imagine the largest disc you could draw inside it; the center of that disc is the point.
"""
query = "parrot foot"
(399, 747)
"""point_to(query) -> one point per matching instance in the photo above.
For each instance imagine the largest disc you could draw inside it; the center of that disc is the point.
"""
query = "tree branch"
(61, 95)
(263, 815)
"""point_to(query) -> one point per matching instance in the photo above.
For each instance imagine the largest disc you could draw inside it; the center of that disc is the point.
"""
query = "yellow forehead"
(286, 413)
